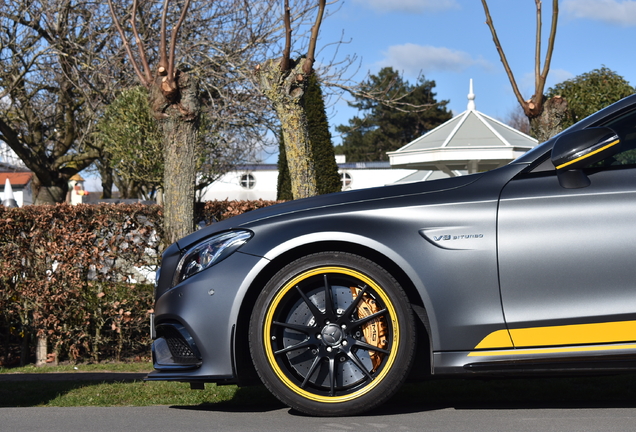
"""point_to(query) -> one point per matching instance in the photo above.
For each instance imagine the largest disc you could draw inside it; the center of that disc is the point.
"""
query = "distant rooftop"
(17, 179)
(471, 141)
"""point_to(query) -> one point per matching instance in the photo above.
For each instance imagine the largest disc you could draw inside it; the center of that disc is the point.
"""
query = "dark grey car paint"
(444, 236)
(574, 244)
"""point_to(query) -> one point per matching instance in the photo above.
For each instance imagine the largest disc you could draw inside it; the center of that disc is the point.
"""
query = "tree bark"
(106, 173)
(550, 121)
(179, 121)
(286, 90)
(51, 193)
(40, 352)
(24, 350)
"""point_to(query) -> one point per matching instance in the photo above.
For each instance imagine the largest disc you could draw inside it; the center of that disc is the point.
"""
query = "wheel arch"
(245, 371)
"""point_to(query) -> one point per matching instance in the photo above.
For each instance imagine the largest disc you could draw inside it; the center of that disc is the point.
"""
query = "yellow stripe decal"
(517, 352)
(610, 332)
(577, 334)
(497, 339)
(613, 143)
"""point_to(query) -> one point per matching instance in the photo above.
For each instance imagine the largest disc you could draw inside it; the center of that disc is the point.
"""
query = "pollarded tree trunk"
(179, 121)
(286, 91)
(550, 121)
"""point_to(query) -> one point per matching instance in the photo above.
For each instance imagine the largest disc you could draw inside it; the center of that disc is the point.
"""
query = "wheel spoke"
(303, 344)
(311, 305)
(354, 358)
(301, 328)
(355, 302)
(361, 321)
(312, 369)
(330, 311)
(332, 376)
(366, 346)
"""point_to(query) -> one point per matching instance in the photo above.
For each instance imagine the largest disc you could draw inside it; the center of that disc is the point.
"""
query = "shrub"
(77, 276)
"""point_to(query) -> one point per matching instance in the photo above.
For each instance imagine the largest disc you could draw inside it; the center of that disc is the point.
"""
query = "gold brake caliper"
(375, 331)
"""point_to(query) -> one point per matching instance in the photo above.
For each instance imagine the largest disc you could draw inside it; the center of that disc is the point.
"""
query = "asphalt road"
(488, 406)
(174, 419)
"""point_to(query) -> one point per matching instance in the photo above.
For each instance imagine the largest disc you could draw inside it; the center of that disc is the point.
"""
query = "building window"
(248, 181)
(345, 178)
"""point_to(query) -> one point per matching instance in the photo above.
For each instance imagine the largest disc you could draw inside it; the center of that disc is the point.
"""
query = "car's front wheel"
(332, 334)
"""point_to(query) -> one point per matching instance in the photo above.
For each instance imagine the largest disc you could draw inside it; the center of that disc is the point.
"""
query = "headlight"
(209, 252)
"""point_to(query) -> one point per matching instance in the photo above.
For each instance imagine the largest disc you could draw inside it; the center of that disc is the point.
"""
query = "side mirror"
(576, 150)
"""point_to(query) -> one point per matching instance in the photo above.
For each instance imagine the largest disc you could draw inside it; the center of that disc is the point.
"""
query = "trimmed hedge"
(209, 212)
(77, 276)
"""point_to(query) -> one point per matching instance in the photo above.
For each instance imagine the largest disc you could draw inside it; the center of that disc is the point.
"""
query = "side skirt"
(576, 359)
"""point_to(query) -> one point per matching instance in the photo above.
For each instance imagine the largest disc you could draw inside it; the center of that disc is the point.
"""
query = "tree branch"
(381, 97)
(140, 44)
(502, 55)
(552, 38)
(173, 39)
(284, 62)
(34, 25)
(80, 160)
(127, 47)
(163, 55)
(537, 52)
(311, 52)
(12, 139)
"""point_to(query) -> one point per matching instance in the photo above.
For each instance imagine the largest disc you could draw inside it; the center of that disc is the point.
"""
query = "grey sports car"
(334, 301)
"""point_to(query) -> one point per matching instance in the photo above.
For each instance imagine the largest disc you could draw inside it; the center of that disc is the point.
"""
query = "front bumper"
(194, 322)
(174, 348)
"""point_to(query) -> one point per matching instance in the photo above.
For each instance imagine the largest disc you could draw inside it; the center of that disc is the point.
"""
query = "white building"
(259, 181)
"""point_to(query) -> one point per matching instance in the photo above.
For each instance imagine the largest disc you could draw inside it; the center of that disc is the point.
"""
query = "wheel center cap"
(331, 335)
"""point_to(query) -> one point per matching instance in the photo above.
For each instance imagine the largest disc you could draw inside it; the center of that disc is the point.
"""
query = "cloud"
(412, 59)
(411, 6)
(609, 11)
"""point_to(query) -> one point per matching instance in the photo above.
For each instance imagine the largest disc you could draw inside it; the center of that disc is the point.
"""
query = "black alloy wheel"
(332, 334)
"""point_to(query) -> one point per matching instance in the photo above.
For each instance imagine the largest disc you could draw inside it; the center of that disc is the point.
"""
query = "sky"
(449, 42)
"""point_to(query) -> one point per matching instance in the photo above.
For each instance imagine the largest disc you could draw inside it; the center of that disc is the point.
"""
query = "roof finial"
(8, 200)
(471, 97)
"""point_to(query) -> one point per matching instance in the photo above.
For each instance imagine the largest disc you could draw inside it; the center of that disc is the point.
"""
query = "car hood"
(327, 201)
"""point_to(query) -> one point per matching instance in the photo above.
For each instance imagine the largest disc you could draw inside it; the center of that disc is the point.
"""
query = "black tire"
(312, 354)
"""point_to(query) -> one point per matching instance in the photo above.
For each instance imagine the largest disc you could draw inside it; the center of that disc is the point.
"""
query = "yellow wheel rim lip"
(267, 325)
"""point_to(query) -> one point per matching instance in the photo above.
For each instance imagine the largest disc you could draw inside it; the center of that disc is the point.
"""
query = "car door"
(567, 257)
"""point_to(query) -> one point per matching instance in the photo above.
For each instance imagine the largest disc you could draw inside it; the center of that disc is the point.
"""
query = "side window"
(625, 126)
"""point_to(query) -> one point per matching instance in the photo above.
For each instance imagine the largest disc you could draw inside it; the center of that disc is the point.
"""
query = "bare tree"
(219, 46)
(175, 103)
(284, 82)
(517, 119)
(544, 115)
(51, 57)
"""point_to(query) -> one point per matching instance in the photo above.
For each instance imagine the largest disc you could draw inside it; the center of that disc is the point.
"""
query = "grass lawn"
(612, 391)
(138, 393)
(138, 367)
(77, 392)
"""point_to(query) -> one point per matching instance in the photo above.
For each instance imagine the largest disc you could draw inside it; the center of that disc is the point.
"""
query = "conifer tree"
(283, 190)
(382, 128)
(320, 138)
